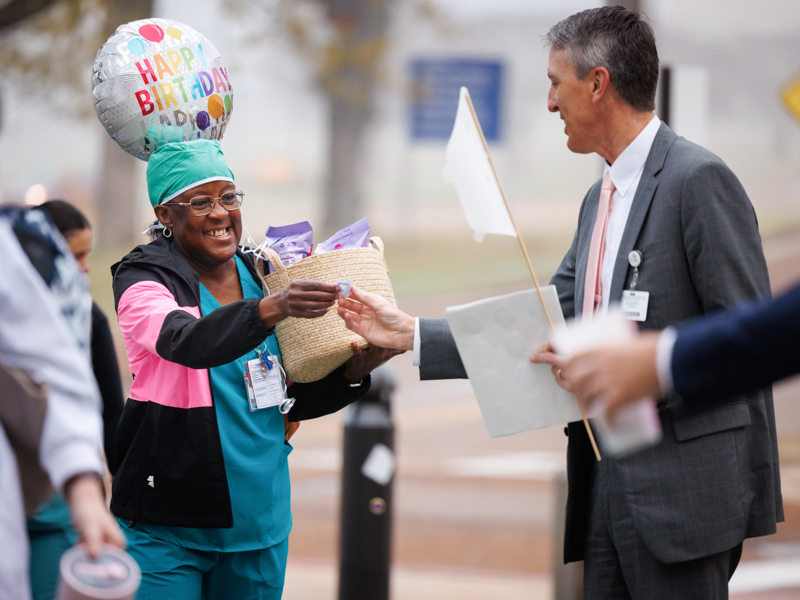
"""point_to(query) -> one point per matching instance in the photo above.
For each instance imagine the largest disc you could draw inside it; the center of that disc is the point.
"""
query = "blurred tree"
(47, 47)
(117, 201)
(19, 10)
(345, 41)
(349, 79)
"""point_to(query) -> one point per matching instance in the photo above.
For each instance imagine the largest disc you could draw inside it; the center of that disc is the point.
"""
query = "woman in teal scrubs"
(202, 489)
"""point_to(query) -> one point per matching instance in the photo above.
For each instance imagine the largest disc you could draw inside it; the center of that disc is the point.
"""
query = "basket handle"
(377, 243)
(277, 264)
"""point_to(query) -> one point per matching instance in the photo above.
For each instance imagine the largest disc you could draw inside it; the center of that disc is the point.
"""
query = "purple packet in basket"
(354, 236)
(291, 242)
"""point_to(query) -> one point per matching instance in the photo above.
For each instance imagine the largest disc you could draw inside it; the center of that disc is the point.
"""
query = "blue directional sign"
(435, 89)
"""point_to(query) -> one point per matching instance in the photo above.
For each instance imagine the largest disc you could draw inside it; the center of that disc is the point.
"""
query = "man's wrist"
(417, 344)
(664, 348)
(407, 333)
(84, 476)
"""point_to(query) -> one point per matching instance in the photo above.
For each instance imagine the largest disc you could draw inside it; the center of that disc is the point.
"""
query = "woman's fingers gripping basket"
(311, 349)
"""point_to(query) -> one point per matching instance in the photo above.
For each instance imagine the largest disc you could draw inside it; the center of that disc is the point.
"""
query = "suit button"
(566, 431)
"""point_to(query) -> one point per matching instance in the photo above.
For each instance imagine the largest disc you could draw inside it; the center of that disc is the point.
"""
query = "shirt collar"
(629, 164)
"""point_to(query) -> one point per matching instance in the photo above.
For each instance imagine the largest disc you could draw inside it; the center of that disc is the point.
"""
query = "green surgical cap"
(177, 167)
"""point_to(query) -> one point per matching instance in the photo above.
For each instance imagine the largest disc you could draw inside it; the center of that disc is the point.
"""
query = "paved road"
(471, 511)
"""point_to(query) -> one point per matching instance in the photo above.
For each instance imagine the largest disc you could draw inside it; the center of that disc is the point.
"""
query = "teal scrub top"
(255, 454)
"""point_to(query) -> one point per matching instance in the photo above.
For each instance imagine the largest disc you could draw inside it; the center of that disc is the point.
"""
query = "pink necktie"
(593, 286)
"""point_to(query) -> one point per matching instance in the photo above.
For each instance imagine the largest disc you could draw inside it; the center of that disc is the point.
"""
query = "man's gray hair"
(617, 39)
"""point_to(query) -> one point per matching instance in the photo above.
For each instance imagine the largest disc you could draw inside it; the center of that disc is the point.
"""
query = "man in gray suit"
(668, 522)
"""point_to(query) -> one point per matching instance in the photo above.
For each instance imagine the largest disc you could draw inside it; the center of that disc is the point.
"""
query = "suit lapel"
(641, 205)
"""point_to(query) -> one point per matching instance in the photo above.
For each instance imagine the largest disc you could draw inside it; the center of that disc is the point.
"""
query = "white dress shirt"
(666, 344)
(625, 174)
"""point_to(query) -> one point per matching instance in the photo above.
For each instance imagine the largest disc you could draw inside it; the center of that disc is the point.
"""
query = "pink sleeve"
(142, 310)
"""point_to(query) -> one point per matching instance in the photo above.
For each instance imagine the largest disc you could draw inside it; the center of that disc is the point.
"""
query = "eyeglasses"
(203, 205)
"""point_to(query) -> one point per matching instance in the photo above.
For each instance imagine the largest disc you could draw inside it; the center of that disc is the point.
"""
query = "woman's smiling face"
(209, 240)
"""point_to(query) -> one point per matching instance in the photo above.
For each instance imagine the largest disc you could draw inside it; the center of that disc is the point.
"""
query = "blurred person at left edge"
(44, 338)
(202, 485)
(50, 530)
(77, 231)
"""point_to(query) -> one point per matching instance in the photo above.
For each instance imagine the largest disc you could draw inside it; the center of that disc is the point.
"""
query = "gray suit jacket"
(714, 480)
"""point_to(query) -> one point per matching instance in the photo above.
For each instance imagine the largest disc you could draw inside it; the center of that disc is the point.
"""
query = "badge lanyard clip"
(635, 259)
(634, 302)
(266, 364)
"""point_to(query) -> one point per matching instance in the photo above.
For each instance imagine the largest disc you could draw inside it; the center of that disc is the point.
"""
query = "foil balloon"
(158, 81)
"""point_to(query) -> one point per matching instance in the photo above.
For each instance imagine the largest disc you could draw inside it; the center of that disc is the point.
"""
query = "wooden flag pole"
(528, 261)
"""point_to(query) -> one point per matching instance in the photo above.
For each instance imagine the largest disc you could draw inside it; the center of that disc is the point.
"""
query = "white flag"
(467, 167)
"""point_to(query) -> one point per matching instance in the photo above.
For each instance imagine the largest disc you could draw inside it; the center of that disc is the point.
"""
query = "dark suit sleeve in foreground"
(439, 358)
(728, 354)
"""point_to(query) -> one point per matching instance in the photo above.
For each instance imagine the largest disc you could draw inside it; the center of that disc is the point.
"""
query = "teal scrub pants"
(47, 548)
(170, 571)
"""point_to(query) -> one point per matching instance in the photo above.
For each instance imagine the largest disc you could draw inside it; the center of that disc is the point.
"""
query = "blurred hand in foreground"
(92, 521)
(616, 375)
(365, 361)
(377, 320)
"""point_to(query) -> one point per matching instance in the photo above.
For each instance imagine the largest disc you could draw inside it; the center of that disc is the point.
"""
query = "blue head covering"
(179, 166)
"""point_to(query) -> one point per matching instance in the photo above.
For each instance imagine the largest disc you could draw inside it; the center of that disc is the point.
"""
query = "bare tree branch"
(19, 10)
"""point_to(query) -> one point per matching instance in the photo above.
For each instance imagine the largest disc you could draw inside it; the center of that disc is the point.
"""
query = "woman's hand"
(365, 361)
(300, 299)
(91, 518)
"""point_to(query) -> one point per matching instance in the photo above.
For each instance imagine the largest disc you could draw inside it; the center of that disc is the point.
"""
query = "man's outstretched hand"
(377, 320)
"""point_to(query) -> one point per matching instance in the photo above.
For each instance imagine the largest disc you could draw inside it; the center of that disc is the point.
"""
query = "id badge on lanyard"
(634, 303)
(265, 381)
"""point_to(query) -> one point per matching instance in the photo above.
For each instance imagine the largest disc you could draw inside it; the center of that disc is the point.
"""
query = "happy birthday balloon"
(158, 81)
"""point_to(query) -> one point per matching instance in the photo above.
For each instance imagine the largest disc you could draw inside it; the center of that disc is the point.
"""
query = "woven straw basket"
(313, 348)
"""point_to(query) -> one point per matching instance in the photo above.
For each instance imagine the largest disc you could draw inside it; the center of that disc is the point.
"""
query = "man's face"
(572, 99)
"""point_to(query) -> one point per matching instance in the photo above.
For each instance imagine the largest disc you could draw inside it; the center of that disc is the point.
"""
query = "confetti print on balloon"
(137, 46)
(215, 107)
(203, 120)
(174, 32)
(228, 104)
(152, 33)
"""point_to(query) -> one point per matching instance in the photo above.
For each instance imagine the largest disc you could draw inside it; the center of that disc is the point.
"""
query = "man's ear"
(162, 214)
(601, 83)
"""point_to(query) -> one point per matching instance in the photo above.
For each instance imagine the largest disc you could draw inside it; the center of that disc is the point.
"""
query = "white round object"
(635, 258)
(114, 575)
(157, 81)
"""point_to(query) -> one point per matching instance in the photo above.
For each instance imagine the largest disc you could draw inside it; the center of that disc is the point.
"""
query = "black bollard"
(366, 519)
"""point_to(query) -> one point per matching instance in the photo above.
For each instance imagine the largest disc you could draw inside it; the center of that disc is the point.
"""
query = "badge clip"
(635, 259)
